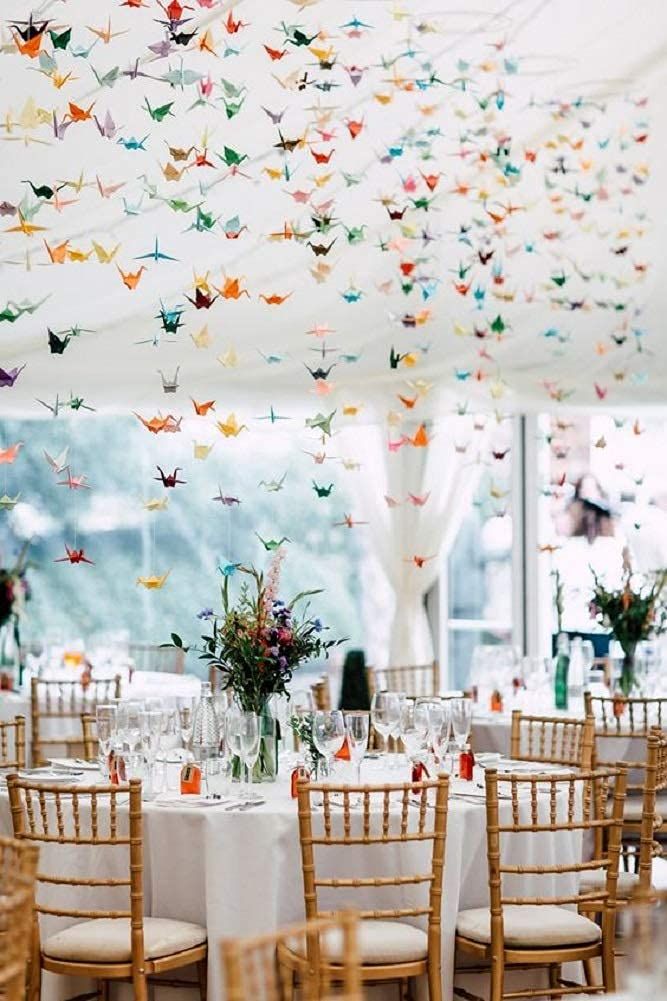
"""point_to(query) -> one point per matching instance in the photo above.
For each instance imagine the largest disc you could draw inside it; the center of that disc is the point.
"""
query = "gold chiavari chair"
(88, 737)
(18, 866)
(552, 740)
(638, 836)
(321, 692)
(252, 972)
(389, 947)
(106, 943)
(616, 714)
(628, 721)
(12, 743)
(415, 680)
(154, 657)
(65, 701)
(540, 932)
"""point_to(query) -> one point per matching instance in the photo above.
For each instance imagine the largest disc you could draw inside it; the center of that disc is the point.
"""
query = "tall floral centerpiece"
(257, 642)
(14, 592)
(634, 612)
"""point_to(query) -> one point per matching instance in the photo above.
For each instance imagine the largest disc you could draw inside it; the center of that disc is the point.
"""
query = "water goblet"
(385, 713)
(414, 729)
(461, 714)
(357, 726)
(328, 734)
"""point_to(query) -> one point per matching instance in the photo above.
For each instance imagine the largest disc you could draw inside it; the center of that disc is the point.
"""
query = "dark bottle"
(561, 672)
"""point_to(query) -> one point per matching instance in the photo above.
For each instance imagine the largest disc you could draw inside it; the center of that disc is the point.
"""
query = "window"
(190, 538)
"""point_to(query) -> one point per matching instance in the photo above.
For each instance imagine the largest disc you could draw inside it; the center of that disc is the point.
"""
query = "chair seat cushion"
(597, 878)
(379, 942)
(531, 926)
(107, 940)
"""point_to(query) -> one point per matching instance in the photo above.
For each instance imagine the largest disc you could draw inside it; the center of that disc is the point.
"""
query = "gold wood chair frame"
(54, 815)
(552, 740)
(413, 820)
(66, 700)
(253, 973)
(12, 743)
(18, 866)
(416, 680)
(584, 796)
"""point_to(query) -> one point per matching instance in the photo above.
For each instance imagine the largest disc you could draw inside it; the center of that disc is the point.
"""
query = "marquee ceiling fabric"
(332, 205)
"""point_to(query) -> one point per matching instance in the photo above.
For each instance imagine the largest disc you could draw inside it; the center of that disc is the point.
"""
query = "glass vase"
(266, 766)
(627, 679)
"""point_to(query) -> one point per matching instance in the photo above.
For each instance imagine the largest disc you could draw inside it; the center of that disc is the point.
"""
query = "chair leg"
(497, 979)
(554, 979)
(140, 985)
(103, 990)
(202, 977)
(434, 981)
(286, 982)
(589, 972)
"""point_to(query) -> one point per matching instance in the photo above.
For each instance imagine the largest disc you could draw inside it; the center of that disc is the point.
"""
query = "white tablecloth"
(240, 873)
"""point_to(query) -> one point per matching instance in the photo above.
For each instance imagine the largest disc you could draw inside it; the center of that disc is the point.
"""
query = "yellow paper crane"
(8, 503)
(202, 339)
(153, 583)
(231, 427)
(156, 503)
(201, 451)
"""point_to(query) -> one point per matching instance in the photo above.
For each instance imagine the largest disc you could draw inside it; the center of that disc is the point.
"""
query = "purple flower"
(317, 625)
(206, 613)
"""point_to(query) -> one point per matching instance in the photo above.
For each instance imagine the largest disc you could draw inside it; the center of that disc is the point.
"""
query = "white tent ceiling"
(442, 89)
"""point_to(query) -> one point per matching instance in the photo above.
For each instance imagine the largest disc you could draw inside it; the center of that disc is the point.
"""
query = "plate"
(73, 764)
(49, 774)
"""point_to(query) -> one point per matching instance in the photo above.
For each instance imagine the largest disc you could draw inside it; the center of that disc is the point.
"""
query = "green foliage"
(634, 611)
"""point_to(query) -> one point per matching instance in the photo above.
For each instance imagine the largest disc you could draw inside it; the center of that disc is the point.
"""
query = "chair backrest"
(547, 802)
(655, 777)
(321, 691)
(52, 699)
(617, 715)
(251, 965)
(12, 743)
(552, 740)
(413, 679)
(88, 736)
(54, 816)
(389, 814)
(154, 657)
(18, 865)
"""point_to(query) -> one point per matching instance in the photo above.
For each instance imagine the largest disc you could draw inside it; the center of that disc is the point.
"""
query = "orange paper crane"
(160, 423)
(153, 582)
(231, 289)
(74, 556)
(31, 47)
(9, 454)
(78, 114)
(57, 254)
(348, 522)
(419, 561)
(274, 299)
(201, 409)
(131, 279)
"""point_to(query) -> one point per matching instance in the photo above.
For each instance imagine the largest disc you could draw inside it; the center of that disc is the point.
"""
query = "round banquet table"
(239, 873)
(144, 685)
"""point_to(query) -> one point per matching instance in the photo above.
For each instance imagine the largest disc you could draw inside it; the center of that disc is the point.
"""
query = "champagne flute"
(105, 716)
(385, 713)
(461, 711)
(357, 726)
(165, 739)
(249, 733)
(328, 734)
(186, 709)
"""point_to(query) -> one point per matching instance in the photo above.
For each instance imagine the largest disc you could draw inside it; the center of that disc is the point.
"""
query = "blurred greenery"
(191, 538)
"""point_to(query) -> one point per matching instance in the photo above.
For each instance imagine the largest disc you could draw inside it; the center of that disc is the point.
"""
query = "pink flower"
(284, 635)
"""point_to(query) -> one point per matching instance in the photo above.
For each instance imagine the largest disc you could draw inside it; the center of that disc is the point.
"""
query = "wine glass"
(249, 734)
(151, 722)
(165, 740)
(132, 724)
(414, 728)
(328, 733)
(439, 725)
(105, 716)
(357, 726)
(461, 714)
(385, 713)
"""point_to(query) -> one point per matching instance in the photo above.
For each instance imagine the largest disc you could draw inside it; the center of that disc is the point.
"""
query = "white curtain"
(414, 499)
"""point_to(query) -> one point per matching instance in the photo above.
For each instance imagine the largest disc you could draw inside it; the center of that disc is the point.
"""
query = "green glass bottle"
(561, 672)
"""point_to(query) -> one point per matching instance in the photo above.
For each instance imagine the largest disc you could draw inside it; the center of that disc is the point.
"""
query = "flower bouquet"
(633, 612)
(14, 592)
(257, 642)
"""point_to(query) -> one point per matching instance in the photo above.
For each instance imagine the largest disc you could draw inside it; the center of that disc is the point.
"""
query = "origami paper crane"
(159, 423)
(225, 499)
(348, 522)
(230, 427)
(272, 416)
(131, 279)
(155, 504)
(9, 454)
(58, 463)
(154, 582)
(74, 556)
(74, 482)
(419, 561)
(322, 491)
(321, 423)
(273, 486)
(201, 450)
(169, 479)
(8, 503)
(201, 409)
(8, 378)
(272, 544)
(155, 255)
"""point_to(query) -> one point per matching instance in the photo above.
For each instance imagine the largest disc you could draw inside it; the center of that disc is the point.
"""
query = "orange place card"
(190, 780)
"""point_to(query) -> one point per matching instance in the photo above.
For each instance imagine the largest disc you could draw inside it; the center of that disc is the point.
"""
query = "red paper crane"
(74, 556)
(169, 479)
